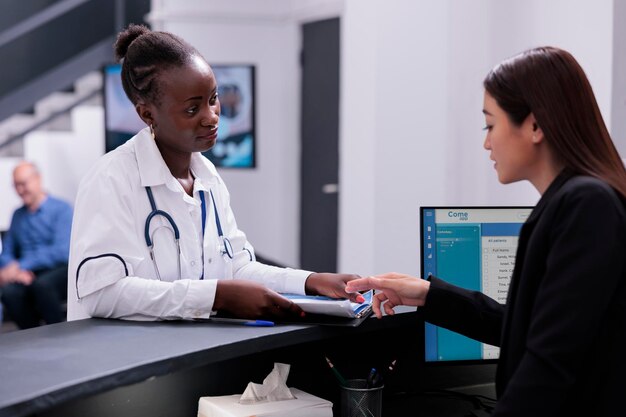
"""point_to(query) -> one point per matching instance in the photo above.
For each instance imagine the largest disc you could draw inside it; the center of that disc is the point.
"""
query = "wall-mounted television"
(236, 144)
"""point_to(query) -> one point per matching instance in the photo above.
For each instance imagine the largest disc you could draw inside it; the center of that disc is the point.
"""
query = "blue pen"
(259, 323)
(377, 381)
(243, 322)
(370, 378)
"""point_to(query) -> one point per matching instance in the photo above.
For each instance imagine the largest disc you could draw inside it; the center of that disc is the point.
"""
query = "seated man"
(33, 263)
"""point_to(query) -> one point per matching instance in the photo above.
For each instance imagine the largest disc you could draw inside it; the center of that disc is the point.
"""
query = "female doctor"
(154, 237)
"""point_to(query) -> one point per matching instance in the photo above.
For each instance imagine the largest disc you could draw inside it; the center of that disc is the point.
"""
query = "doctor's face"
(511, 146)
(187, 116)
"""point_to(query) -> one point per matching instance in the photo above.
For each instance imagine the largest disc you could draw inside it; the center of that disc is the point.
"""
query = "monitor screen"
(236, 143)
(474, 248)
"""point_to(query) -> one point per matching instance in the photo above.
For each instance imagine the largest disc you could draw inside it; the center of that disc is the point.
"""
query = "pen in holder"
(340, 378)
(358, 400)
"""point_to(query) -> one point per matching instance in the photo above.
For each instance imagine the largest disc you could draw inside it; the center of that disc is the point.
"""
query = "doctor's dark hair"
(144, 54)
(549, 83)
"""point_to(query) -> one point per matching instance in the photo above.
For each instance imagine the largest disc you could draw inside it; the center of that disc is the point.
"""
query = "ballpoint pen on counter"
(340, 378)
(242, 322)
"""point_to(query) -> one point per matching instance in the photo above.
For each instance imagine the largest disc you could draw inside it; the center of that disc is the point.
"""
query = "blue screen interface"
(473, 248)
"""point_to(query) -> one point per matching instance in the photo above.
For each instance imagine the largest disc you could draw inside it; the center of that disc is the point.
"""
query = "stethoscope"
(226, 248)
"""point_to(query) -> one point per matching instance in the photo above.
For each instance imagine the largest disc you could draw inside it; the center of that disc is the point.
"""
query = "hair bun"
(126, 37)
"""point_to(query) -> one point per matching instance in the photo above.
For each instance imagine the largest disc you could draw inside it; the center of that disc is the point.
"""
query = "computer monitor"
(474, 248)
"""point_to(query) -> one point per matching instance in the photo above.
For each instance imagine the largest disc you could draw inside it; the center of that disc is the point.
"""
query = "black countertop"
(53, 364)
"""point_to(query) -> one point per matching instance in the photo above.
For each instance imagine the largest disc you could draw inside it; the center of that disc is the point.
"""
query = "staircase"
(51, 113)
(51, 109)
(53, 51)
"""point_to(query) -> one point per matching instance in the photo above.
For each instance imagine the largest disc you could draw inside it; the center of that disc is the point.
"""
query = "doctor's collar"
(153, 170)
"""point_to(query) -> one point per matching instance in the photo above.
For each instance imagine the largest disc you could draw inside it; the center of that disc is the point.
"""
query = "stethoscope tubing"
(226, 247)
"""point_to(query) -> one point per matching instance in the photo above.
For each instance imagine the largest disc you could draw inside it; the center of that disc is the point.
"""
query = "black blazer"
(562, 332)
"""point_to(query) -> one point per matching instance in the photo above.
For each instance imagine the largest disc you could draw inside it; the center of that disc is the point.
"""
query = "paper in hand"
(315, 304)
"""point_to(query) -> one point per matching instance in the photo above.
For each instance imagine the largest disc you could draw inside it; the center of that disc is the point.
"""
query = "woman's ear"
(144, 112)
(537, 133)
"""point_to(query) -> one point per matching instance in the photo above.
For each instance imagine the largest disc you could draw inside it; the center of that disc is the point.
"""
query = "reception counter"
(101, 367)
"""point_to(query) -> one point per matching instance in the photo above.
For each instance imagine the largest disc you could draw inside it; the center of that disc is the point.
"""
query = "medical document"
(316, 304)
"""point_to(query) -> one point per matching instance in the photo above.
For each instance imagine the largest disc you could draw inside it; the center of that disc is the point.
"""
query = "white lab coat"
(117, 278)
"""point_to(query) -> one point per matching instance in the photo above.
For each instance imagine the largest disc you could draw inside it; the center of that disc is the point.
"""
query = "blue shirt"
(41, 239)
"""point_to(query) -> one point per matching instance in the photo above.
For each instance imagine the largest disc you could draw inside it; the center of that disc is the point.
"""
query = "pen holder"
(359, 401)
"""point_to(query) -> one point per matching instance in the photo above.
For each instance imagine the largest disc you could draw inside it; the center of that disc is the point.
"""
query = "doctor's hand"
(332, 285)
(251, 300)
(395, 289)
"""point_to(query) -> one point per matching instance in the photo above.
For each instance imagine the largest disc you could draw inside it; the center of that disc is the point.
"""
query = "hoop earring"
(152, 131)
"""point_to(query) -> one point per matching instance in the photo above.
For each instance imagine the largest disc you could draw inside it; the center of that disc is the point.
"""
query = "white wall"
(392, 124)
(411, 106)
(482, 33)
(618, 109)
(9, 200)
(65, 157)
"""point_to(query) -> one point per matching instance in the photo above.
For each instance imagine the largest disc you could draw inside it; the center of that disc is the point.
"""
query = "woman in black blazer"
(562, 331)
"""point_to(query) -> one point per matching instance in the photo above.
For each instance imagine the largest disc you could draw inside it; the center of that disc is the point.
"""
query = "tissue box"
(305, 405)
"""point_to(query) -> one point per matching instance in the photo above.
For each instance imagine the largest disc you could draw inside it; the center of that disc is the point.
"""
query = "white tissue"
(274, 387)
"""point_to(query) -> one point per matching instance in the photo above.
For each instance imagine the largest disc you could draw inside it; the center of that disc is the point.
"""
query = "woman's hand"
(251, 300)
(332, 285)
(396, 289)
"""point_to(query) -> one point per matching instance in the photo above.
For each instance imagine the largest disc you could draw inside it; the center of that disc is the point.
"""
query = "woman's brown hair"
(549, 83)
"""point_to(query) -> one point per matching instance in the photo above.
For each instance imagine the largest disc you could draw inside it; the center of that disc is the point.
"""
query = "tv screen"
(474, 248)
(235, 147)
